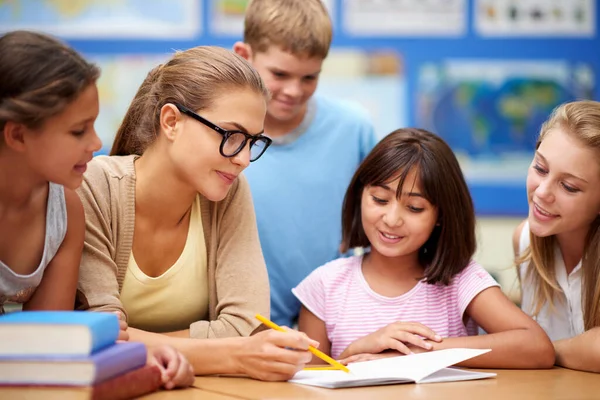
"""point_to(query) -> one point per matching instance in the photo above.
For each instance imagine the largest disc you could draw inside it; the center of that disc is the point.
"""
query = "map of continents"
(103, 18)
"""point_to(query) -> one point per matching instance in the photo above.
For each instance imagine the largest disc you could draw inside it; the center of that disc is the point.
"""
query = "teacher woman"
(171, 240)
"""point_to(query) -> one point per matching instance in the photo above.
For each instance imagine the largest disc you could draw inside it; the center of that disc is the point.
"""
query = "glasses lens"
(234, 144)
(257, 150)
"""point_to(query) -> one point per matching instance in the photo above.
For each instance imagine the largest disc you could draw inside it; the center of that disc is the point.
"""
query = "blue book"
(61, 333)
(108, 363)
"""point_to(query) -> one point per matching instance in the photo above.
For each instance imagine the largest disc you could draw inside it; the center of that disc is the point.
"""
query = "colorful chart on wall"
(490, 112)
(104, 19)
(121, 77)
(405, 17)
(535, 18)
(227, 16)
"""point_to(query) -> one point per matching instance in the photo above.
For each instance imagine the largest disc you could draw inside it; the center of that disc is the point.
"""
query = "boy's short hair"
(301, 27)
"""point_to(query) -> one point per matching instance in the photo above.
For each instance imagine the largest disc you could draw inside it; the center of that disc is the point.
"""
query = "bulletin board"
(483, 74)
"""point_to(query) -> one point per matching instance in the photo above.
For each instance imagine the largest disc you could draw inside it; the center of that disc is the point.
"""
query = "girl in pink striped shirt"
(417, 289)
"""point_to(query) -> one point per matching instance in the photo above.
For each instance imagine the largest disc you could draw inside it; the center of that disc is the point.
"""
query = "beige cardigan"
(238, 285)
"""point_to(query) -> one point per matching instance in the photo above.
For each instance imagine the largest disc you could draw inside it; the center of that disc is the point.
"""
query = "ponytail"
(139, 127)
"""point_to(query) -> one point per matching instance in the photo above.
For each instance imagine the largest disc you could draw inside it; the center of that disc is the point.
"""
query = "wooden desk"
(31, 393)
(187, 394)
(557, 383)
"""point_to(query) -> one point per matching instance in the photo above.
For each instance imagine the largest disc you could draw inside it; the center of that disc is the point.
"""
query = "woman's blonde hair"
(194, 78)
(581, 120)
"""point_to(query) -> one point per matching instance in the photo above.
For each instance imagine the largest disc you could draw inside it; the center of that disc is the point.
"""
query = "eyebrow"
(280, 71)
(83, 122)
(240, 127)
(540, 155)
(411, 194)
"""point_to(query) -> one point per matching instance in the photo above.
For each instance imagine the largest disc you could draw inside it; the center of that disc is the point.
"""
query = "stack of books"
(71, 354)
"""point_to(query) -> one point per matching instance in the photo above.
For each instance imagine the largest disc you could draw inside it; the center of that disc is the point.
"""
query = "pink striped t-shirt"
(338, 294)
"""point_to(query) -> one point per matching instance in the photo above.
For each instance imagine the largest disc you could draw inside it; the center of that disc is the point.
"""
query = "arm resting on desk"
(207, 357)
(268, 355)
(580, 352)
(516, 340)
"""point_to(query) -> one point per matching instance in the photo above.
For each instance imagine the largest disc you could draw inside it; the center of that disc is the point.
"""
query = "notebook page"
(414, 367)
(341, 379)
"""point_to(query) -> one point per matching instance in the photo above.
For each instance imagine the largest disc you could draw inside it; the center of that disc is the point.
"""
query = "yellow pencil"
(327, 368)
(313, 350)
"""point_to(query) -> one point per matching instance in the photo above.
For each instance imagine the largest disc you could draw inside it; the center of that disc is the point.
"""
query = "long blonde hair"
(581, 120)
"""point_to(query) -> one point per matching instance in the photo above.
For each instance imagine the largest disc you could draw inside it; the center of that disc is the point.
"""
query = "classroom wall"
(495, 251)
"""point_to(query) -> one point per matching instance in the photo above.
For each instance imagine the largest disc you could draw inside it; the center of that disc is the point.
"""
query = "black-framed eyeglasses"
(233, 141)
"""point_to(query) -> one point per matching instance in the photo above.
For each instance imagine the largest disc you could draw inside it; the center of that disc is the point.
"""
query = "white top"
(566, 320)
(178, 297)
(18, 288)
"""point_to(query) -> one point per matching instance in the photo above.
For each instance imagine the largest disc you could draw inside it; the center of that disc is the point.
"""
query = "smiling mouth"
(543, 212)
(286, 103)
(388, 236)
(227, 177)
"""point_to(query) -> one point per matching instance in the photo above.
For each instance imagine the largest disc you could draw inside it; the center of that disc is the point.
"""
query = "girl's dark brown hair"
(452, 243)
(39, 77)
(194, 78)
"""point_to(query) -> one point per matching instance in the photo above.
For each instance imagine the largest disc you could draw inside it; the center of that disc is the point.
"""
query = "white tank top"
(19, 288)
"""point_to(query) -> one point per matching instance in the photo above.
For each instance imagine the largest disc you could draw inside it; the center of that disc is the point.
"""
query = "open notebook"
(419, 368)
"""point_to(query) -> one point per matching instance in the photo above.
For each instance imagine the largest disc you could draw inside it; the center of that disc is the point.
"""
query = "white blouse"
(566, 319)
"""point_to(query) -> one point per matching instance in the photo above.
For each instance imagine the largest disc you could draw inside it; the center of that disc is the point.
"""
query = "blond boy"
(318, 142)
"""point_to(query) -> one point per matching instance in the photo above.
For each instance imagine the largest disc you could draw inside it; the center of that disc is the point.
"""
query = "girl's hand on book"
(274, 356)
(396, 336)
(175, 368)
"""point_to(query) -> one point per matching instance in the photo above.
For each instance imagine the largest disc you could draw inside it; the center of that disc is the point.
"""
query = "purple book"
(73, 371)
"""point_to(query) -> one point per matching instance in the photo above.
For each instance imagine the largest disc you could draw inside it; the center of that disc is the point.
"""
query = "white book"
(415, 368)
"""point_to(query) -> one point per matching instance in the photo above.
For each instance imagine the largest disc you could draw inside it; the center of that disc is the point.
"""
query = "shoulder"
(75, 213)
(472, 273)
(73, 204)
(103, 175)
(343, 111)
(104, 167)
(516, 239)
(337, 272)
(64, 213)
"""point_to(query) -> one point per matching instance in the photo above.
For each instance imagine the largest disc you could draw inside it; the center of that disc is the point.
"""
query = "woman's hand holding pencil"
(274, 355)
(312, 348)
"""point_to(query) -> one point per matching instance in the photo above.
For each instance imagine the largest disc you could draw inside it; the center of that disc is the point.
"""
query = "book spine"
(133, 384)
(104, 332)
(119, 359)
